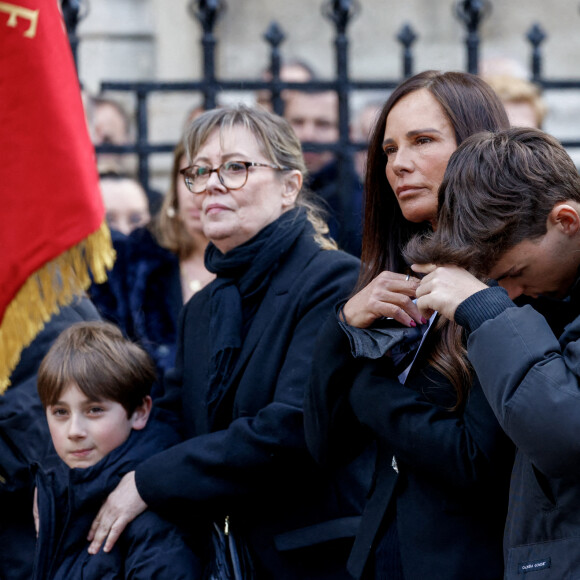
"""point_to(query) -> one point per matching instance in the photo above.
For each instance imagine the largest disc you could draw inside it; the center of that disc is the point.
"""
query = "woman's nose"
(401, 160)
(214, 183)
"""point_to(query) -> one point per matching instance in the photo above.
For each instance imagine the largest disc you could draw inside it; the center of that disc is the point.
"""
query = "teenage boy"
(510, 212)
(94, 386)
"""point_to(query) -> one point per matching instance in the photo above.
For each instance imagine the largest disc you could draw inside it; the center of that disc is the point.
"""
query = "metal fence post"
(407, 38)
(208, 12)
(274, 36)
(536, 36)
(472, 13)
(72, 14)
(341, 12)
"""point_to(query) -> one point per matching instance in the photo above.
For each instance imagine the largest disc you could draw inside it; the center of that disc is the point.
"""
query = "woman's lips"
(215, 208)
(408, 190)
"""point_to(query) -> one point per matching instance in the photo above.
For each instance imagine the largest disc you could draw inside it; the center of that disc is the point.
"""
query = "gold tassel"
(54, 285)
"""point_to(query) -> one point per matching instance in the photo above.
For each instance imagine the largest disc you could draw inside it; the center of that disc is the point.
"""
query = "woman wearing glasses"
(244, 350)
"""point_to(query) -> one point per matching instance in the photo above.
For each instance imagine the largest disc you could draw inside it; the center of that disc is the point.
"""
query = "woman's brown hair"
(167, 227)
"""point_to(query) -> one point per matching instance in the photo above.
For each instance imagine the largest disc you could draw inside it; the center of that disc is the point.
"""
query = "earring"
(170, 212)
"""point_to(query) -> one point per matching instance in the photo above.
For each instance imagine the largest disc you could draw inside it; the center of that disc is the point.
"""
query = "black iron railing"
(339, 13)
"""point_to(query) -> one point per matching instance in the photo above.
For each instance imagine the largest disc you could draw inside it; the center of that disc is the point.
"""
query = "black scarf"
(243, 275)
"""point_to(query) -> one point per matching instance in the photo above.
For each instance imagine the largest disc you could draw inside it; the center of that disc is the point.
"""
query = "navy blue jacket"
(110, 297)
(68, 501)
(298, 518)
(143, 295)
(154, 297)
(441, 475)
(24, 439)
(531, 379)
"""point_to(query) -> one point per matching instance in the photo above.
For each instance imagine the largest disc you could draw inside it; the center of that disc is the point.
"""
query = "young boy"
(510, 211)
(94, 386)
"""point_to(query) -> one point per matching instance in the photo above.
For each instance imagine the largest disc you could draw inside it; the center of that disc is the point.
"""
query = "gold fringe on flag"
(52, 286)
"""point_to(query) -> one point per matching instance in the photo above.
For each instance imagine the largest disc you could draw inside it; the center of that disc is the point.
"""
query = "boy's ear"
(140, 415)
(565, 216)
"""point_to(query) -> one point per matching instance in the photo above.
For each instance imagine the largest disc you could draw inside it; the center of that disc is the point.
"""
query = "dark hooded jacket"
(68, 501)
(531, 380)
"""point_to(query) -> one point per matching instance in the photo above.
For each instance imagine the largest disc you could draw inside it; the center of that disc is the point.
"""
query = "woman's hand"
(123, 505)
(444, 288)
(389, 295)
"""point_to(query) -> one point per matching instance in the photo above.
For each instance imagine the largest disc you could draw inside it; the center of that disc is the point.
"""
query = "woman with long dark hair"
(382, 373)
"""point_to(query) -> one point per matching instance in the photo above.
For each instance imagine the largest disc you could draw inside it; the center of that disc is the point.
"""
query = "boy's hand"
(123, 505)
(444, 288)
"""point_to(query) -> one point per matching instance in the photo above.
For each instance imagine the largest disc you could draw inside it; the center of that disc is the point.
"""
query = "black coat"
(531, 379)
(68, 501)
(24, 439)
(343, 205)
(256, 468)
(445, 474)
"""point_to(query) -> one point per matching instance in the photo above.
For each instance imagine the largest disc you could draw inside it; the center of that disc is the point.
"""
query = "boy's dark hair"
(101, 362)
(498, 191)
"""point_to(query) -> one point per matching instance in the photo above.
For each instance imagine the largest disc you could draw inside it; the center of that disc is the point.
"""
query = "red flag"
(51, 214)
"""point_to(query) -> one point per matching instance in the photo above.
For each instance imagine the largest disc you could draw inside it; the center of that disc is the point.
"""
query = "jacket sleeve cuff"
(481, 306)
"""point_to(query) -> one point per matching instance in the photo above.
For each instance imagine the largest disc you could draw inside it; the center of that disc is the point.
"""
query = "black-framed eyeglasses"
(232, 174)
